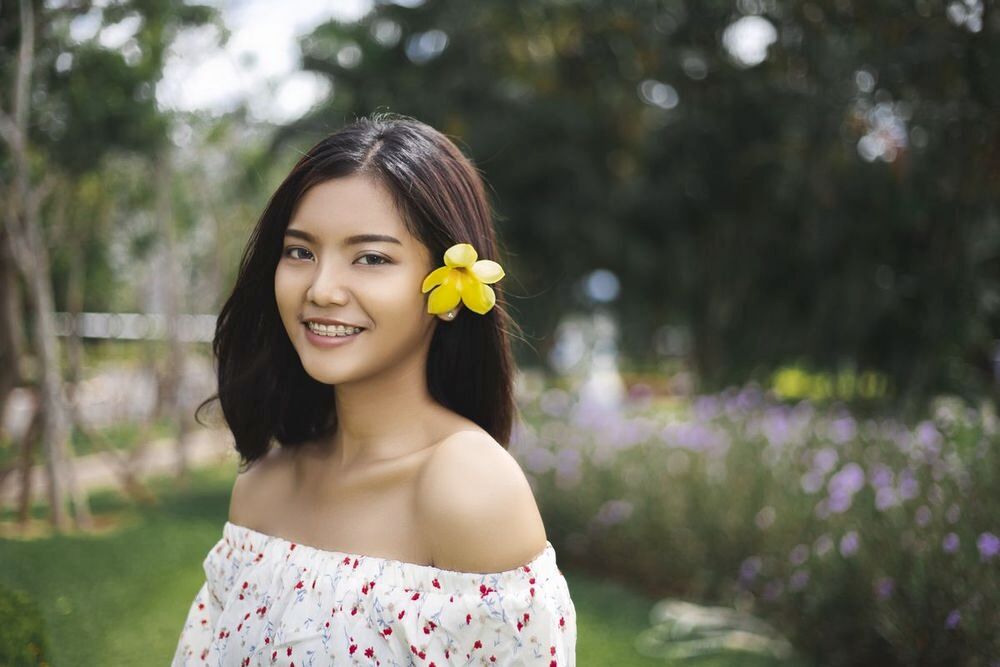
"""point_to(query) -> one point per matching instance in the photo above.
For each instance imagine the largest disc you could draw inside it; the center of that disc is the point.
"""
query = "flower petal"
(435, 278)
(444, 297)
(477, 297)
(460, 254)
(487, 271)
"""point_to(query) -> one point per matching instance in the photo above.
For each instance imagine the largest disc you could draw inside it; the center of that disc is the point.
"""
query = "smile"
(331, 337)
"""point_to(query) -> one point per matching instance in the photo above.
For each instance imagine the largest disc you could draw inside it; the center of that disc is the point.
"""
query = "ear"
(453, 312)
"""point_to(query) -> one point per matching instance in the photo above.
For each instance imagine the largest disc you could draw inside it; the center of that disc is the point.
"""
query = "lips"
(329, 341)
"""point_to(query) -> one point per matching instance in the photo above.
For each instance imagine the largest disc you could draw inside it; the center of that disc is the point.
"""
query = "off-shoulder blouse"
(269, 601)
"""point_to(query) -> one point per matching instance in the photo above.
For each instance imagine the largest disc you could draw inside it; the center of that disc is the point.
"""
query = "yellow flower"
(462, 278)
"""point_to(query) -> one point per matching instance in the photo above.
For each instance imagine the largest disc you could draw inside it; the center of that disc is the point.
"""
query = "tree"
(66, 119)
(829, 199)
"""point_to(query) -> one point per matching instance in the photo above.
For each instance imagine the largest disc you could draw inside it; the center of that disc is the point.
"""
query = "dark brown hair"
(263, 389)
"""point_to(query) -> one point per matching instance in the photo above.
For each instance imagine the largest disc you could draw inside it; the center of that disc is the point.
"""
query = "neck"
(383, 416)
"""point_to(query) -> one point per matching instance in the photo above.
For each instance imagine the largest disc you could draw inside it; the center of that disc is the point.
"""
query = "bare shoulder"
(475, 506)
(253, 484)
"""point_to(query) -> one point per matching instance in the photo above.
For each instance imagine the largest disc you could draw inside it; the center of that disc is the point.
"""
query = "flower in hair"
(462, 278)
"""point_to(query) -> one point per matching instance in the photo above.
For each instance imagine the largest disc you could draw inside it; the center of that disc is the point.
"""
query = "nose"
(327, 286)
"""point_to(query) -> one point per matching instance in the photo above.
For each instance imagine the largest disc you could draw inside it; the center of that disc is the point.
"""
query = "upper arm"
(246, 489)
(239, 499)
(476, 508)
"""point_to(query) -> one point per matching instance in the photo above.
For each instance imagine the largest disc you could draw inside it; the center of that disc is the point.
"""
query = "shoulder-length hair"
(263, 389)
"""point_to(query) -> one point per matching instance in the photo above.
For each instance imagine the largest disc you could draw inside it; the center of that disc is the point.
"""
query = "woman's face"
(329, 268)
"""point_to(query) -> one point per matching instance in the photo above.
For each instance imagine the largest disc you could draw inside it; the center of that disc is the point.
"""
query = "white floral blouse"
(269, 601)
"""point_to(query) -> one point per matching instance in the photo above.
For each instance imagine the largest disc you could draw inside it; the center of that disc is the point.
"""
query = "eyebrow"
(350, 240)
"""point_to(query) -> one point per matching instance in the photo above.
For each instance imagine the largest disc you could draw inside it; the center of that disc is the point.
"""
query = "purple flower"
(902, 439)
(881, 475)
(798, 554)
(909, 488)
(885, 498)
(750, 568)
(928, 436)
(706, 408)
(798, 580)
(695, 437)
(555, 402)
(843, 486)
(954, 616)
(923, 515)
(628, 432)
(803, 411)
(812, 481)
(989, 546)
(953, 513)
(849, 543)
(750, 397)
(567, 461)
(839, 501)
(842, 429)
(765, 517)
(539, 460)
(950, 543)
(613, 511)
(822, 545)
(884, 587)
(825, 459)
(776, 426)
(773, 589)
(568, 469)
(848, 479)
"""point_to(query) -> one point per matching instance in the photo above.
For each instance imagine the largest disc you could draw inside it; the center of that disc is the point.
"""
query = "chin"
(326, 374)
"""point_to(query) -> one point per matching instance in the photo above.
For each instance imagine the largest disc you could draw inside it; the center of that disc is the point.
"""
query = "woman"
(388, 525)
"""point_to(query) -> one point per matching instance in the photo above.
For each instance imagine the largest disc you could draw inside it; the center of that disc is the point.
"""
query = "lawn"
(120, 597)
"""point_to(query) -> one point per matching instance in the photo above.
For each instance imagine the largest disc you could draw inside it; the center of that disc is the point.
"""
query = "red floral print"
(399, 612)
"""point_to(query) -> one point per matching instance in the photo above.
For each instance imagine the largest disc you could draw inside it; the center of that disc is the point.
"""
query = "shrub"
(865, 541)
(22, 630)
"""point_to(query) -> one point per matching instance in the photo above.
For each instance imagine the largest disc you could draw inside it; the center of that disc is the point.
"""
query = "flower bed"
(866, 541)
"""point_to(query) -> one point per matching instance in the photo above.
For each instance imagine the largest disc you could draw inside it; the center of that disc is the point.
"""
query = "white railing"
(135, 326)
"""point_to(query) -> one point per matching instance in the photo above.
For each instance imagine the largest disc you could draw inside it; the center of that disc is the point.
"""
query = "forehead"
(349, 206)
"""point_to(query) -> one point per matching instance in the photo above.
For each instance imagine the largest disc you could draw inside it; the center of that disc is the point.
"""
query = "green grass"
(121, 598)
(610, 616)
(121, 436)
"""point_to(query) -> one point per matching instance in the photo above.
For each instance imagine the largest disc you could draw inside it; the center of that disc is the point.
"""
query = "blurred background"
(754, 246)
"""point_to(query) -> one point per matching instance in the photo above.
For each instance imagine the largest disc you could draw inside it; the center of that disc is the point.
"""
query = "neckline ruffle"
(386, 572)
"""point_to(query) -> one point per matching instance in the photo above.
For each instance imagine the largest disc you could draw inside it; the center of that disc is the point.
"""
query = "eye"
(288, 251)
(382, 260)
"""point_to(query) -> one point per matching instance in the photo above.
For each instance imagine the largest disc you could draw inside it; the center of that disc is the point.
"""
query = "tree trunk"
(74, 296)
(55, 425)
(32, 259)
(11, 334)
(174, 371)
(28, 444)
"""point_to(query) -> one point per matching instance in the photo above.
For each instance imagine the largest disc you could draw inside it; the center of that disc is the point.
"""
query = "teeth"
(325, 330)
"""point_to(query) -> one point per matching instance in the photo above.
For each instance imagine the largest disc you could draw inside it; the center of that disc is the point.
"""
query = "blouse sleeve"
(500, 623)
(203, 615)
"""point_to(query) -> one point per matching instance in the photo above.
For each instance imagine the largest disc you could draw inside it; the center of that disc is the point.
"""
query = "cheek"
(286, 291)
(395, 303)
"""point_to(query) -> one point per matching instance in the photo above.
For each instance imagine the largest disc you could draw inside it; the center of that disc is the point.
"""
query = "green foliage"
(93, 107)
(742, 202)
(863, 541)
(119, 598)
(730, 198)
(23, 641)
